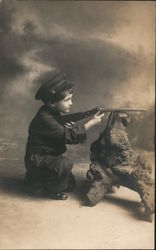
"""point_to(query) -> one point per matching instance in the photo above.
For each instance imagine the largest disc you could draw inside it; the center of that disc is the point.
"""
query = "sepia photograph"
(77, 124)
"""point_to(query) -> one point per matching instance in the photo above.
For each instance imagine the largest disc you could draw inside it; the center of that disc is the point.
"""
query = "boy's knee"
(68, 164)
(64, 166)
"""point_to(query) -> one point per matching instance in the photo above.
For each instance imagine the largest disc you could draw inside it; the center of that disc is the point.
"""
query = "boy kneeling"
(47, 170)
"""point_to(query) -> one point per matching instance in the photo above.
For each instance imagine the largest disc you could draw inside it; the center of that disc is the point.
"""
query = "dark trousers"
(52, 173)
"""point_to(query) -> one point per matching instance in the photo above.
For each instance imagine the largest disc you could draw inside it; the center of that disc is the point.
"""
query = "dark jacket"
(47, 133)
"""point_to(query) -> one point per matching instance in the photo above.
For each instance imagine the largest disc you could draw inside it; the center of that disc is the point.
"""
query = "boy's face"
(65, 104)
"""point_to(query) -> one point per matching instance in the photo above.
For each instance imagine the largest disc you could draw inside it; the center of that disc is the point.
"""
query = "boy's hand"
(69, 124)
(95, 120)
(99, 114)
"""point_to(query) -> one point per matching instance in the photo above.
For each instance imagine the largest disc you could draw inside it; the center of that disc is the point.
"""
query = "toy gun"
(83, 115)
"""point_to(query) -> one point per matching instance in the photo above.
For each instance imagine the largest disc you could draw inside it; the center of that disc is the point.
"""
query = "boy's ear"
(51, 104)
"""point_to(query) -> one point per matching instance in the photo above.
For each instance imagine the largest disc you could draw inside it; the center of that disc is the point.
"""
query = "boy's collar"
(52, 110)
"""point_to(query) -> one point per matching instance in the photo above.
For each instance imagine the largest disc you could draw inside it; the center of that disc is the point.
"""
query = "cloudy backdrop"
(106, 48)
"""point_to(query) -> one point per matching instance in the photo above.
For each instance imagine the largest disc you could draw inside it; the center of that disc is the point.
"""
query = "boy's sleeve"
(76, 134)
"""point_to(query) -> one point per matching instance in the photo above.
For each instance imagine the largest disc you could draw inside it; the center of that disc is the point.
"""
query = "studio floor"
(29, 222)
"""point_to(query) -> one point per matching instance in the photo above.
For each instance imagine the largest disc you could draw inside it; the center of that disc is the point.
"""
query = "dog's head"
(124, 118)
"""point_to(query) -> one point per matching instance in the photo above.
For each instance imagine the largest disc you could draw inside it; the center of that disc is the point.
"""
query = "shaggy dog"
(114, 163)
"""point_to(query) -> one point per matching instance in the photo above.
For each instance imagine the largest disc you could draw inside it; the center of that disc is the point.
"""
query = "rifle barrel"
(122, 109)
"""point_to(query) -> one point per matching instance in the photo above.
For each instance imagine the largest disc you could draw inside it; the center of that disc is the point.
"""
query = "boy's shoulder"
(46, 114)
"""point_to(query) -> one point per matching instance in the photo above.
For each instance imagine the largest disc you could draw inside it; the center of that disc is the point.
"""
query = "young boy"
(47, 170)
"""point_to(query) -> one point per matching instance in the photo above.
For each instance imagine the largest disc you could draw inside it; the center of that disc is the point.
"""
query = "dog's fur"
(115, 163)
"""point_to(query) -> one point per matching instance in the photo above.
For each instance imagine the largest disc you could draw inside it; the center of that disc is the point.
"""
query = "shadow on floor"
(16, 187)
(132, 207)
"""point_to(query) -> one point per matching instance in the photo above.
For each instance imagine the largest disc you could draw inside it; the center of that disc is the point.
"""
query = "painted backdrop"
(106, 48)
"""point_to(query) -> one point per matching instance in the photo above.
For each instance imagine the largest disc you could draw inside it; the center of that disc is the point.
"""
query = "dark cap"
(54, 84)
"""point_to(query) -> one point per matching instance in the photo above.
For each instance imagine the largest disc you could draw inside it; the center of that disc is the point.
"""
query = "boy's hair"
(54, 88)
(60, 96)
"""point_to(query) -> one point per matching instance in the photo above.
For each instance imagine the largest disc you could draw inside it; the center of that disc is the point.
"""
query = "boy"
(47, 170)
